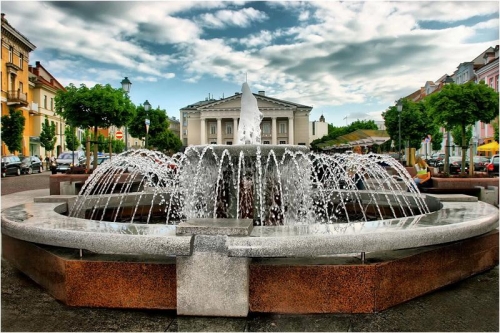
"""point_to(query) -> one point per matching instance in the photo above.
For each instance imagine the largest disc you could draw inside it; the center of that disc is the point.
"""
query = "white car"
(68, 159)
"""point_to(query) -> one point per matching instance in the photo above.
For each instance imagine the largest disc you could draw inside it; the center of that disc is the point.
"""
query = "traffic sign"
(119, 135)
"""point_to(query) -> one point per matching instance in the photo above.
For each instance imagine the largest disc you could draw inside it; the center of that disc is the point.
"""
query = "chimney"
(262, 92)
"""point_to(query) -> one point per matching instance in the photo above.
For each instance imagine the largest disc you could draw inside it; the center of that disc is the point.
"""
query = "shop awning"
(492, 146)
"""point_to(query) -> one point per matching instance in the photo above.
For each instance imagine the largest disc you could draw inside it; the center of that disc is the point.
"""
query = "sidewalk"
(468, 306)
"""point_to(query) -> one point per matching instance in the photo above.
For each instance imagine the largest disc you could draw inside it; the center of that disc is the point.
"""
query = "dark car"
(455, 164)
(100, 160)
(31, 164)
(436, 159)
(480, 163)
(11, 165)
(492, 167)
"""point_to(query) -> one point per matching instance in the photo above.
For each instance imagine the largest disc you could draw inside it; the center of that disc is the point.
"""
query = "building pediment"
(264, 103)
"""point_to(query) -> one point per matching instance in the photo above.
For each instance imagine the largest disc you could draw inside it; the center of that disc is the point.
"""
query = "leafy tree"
(91, 108)
(494, 124)
(72, 142)
(456, 134)
(48, 135)
(415, 124)
(437, 141)
(462, 105)
(159, 137)
(12, 130)
(118, 146)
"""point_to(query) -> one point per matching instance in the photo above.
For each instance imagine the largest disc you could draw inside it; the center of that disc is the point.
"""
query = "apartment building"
(216, 121)
(16, 50)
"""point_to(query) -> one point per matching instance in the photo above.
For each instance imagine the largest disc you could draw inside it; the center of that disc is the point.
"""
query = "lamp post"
(126, 84)
(400, 108)
(147, 107)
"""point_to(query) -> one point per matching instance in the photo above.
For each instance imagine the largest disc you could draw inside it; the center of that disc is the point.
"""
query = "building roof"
(19, 36)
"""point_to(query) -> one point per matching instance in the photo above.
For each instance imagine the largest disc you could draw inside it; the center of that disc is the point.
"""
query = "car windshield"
(67, 156)
(26, 160)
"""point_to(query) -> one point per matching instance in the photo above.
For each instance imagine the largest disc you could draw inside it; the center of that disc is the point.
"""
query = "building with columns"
(216, 121)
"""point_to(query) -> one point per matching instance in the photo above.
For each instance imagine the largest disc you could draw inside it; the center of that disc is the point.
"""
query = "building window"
(184, 119)
(282, 128)
(45, 102)
(266, 142)
(496, 84)
(185, 132)
(229, 143)
(282, 142)
(52, 104)
(213, 142)
(266, 128)
(213, 128)
(229, 128)
(21, 87)
(491, 83)
(11, 54)
(21, 61)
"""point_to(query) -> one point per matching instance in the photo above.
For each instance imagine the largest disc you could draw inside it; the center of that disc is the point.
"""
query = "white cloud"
(240, 18)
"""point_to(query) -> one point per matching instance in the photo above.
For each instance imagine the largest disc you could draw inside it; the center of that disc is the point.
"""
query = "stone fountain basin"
(43, 223)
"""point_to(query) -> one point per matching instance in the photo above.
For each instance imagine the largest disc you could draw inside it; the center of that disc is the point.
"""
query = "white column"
(290, 131)
(219, 131)
(203, 131)
(274, 131)
(235, 131)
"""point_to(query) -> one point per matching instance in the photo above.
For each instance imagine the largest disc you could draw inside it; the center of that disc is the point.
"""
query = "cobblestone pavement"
(471, 305)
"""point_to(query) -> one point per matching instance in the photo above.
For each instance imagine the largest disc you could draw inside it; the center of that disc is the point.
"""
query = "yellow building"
(15, 84)
(42, 92)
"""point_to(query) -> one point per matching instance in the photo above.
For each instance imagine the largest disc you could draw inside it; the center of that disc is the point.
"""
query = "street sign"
(119, 135)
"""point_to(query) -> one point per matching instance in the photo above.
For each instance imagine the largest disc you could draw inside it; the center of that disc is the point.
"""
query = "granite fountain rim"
(41, 222)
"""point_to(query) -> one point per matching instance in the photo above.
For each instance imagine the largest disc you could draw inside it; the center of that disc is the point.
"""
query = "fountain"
(221, 230)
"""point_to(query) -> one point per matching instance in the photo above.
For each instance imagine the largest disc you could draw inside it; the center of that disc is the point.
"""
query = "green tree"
(462, 105)
(334, 132)
(12, 130)
(72, 142)
(437, 141)
(48, 135)
(159, 137)
(415, 124)
(92, 108)
(118, 146)
(494, 124)
(456, 134)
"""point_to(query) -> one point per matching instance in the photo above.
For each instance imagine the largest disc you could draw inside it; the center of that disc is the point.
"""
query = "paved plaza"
(470, 305)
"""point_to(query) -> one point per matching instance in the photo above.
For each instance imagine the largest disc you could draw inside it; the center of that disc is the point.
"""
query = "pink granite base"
(322, 285)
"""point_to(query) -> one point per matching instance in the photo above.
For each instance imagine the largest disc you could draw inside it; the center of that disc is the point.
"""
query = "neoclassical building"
(216, 121)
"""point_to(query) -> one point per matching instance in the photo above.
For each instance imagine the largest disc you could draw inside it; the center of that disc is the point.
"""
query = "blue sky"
(346, 59)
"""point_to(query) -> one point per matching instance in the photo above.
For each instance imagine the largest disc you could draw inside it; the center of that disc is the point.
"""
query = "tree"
(159, 136)
(494, 124)
(334, 132)
(91, 108)
(12, 130)
(462, 105)
(72, 142)
(48, 135)
(456, 134)
(415, 124)
(437, 141)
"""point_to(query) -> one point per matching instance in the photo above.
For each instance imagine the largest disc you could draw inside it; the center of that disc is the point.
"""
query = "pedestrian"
(358, 180)
(47, 162)
(422, 169)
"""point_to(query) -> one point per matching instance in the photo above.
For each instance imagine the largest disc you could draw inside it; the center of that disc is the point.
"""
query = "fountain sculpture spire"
(250, 118)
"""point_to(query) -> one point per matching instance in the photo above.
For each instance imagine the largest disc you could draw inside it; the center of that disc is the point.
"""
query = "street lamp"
(400, 108)
(147, 107)
(126, 85)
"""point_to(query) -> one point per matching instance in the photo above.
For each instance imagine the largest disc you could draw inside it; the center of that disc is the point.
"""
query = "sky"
(348, 60)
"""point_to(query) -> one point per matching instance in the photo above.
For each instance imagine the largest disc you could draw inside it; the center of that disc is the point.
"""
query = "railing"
(17, 96)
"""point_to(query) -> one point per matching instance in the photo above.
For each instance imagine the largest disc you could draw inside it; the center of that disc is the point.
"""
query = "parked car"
(31, 164)
(436, 159)
(492, 167)
(66, 160)
(11, 165)
(455, 164)
(480, 163)
(100, 160)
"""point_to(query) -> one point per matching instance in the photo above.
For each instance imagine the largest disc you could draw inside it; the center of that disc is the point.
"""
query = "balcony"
(33, 109)
(16, 97)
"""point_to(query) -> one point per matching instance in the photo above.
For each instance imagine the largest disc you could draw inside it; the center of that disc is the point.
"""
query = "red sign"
(119, 135)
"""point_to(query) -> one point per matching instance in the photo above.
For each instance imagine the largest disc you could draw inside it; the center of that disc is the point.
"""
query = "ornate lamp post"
(147, 107)
(400, 108)
(126, 85)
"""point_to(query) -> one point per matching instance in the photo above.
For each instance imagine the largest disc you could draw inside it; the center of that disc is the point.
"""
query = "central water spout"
(250, 118)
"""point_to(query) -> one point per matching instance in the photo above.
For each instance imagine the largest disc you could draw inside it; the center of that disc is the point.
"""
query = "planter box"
(461, 183)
